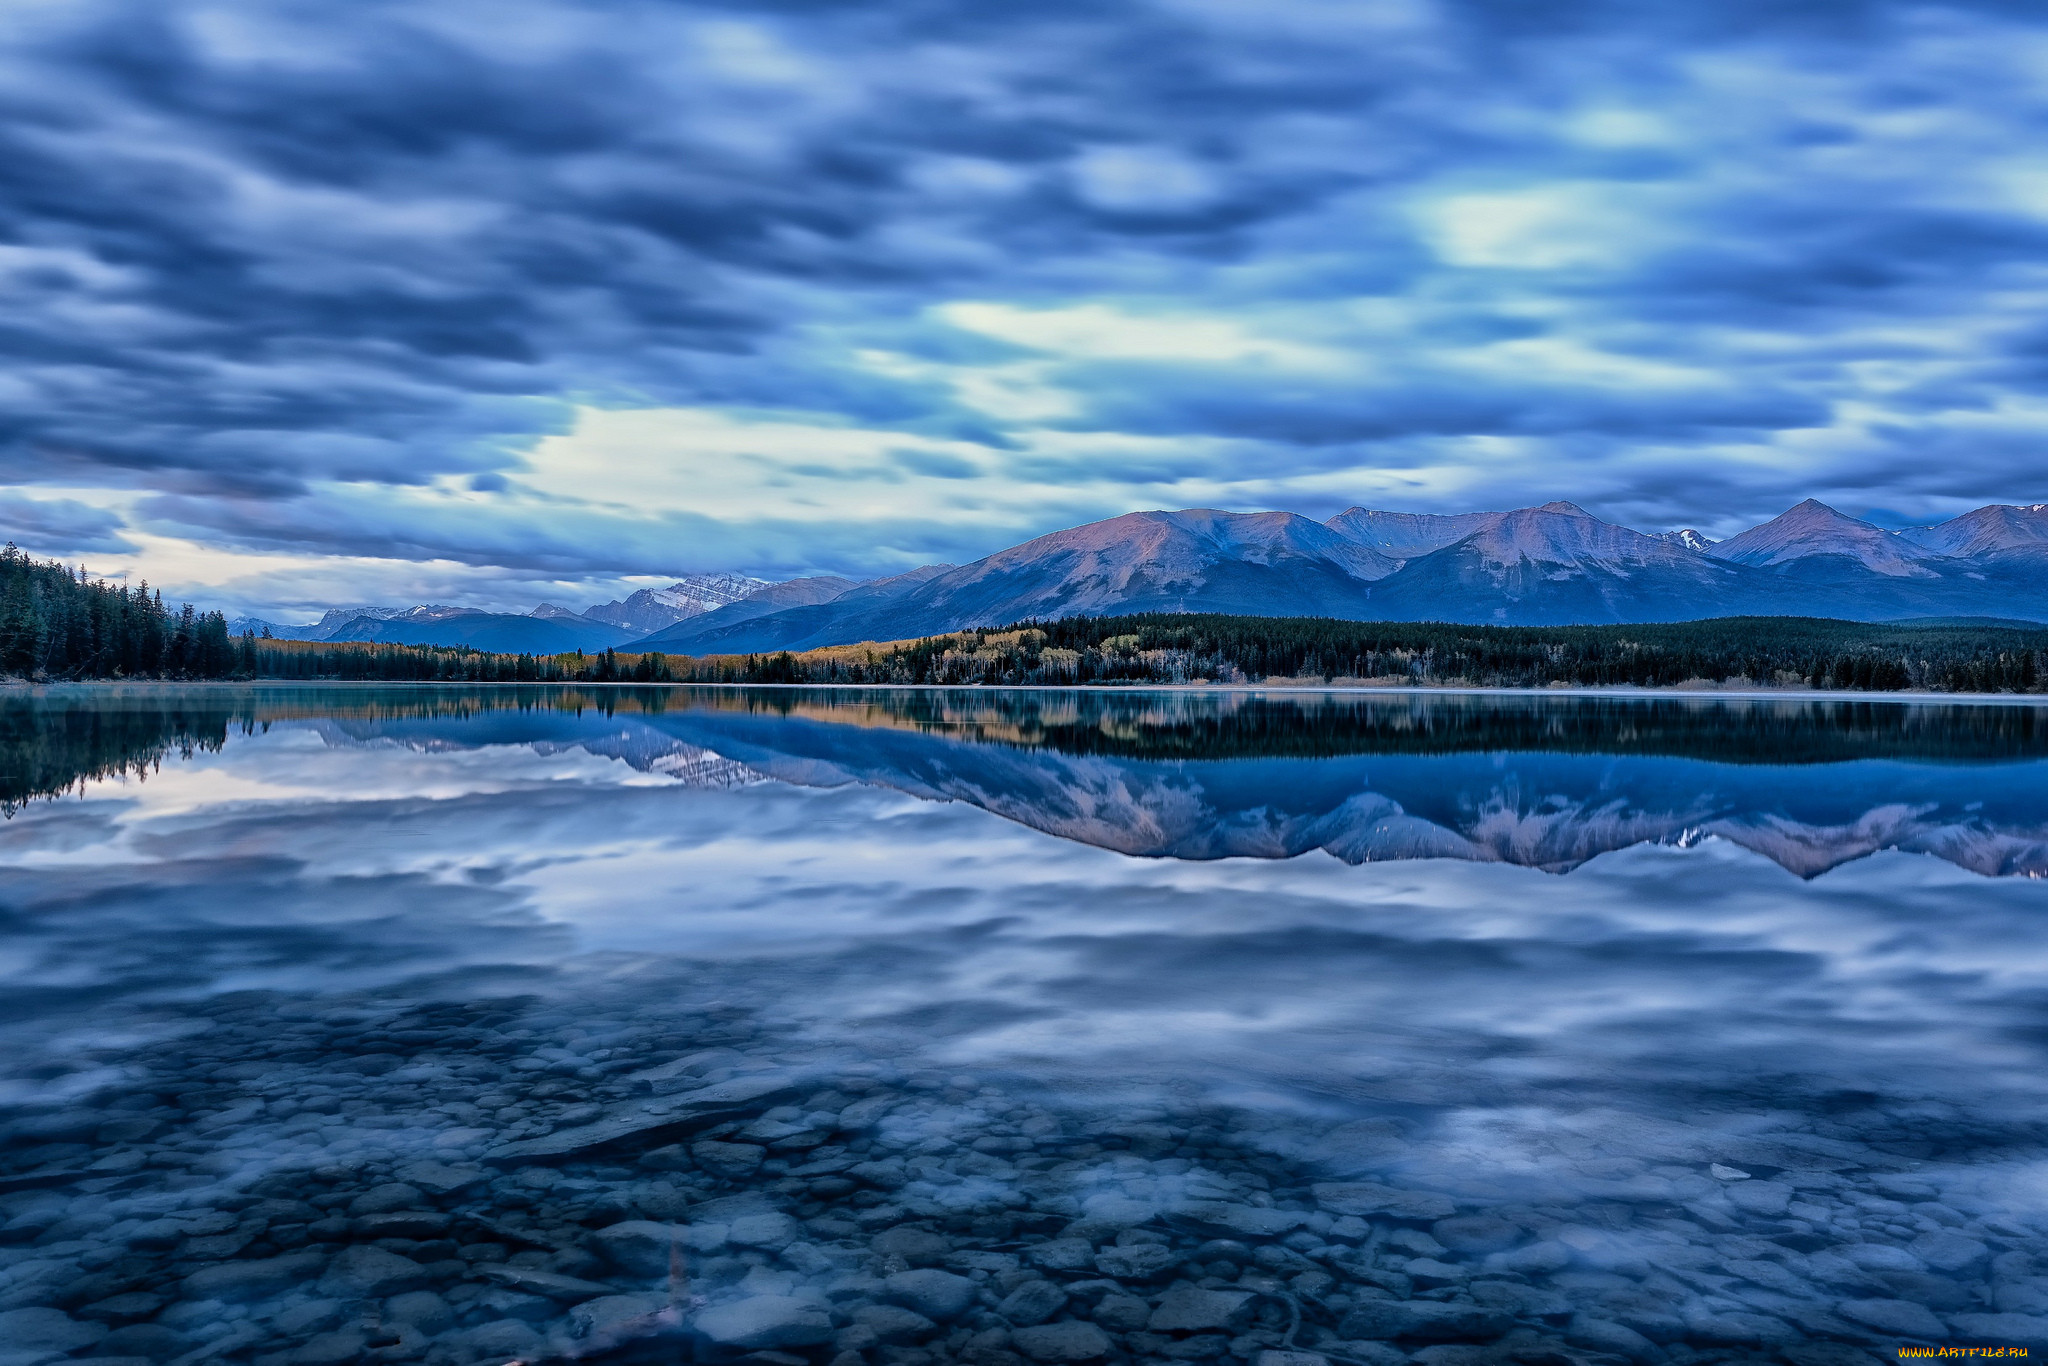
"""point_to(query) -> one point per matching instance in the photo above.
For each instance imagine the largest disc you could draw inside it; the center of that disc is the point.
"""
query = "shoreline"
(1617, 692)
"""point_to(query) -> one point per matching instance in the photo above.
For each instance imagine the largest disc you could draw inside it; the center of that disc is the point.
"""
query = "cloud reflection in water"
(1671, 1000)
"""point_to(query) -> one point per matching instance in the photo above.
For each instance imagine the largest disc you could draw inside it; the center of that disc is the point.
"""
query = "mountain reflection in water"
(310, 994)
(1536, 781)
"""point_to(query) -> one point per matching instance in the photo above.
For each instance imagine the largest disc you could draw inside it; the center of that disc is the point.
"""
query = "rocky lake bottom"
(380, 1039)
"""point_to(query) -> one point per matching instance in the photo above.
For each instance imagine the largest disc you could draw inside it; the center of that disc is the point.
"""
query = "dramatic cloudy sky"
(493, 300)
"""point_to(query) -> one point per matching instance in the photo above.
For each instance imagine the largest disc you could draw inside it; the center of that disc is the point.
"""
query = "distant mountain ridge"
(1987, 531)
(1555, 564)
(651, 609)
(551, 628)
(497, 632)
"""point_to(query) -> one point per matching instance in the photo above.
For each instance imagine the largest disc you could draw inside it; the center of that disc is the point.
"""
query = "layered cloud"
(301, 303)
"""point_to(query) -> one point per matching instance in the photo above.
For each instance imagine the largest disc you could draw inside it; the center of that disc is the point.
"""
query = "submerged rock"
(371, 1273)
(1902, 1317)
(1243, 1221)
(257, 1279)
(2021, 1330)
(641, 1247)
(1185, 1309)
(1032, 1302)
(766, 1321)
(893, 1323)
(1364, 1198)
(648, 1123)
(1604, 1335)
(1054, 1342)
(936, 1294)
(1426, 1319)
(50, 1331)
(549, 1284)
(917, 1246)
(508, 1339)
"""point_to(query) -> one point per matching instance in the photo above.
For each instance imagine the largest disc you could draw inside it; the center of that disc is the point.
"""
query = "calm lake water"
(893, 1028)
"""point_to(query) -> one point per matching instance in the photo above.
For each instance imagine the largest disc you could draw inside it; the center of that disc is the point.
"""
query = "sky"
(488, 303)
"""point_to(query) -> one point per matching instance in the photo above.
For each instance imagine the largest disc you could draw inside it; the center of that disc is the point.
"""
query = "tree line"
(57, 624)
(1186, 648)
(312, 660)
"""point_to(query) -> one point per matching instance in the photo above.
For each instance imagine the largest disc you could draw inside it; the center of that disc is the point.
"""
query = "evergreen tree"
(55, 623)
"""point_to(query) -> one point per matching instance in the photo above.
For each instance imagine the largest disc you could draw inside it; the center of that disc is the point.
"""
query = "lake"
(898, 1028)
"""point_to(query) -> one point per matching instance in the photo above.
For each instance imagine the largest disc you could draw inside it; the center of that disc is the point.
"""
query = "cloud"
(385, 284)
(61, 527)
(1142, 180)
(1548, 227)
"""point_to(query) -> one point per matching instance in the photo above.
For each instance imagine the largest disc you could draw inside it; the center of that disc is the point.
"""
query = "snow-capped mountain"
(1555, 564)
(339, 618)
(549, 611)
(339, 623)
(763, 600)
(1987, 531)
(258, 626)
(1687, 537)
(552, 628)
(651, 609)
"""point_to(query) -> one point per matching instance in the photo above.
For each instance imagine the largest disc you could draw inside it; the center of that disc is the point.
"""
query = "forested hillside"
(55, 623)
(1174, 648)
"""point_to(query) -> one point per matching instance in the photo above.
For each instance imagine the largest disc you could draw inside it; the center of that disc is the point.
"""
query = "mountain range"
(652, 609)
(1551, 565)
(1556, 564)
(551, 628)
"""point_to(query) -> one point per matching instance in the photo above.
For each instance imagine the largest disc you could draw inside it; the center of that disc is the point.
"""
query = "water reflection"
(361, 931)
(1541, 782)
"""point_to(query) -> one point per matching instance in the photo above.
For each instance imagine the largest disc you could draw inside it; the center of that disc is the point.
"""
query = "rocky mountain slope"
(652, 609)
(1550, 565)
(1196, 561)
(1813, 530)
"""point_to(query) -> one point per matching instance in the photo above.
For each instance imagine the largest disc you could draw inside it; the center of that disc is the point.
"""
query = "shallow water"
(449, 1025)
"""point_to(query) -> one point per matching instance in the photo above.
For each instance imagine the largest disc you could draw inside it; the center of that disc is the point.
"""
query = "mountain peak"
(1160, 547)
(341, 616)
(1986, 530)
(1811, 528)
(1687, 537)
(652, 609)
(1564, 534)
(1405, 535)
